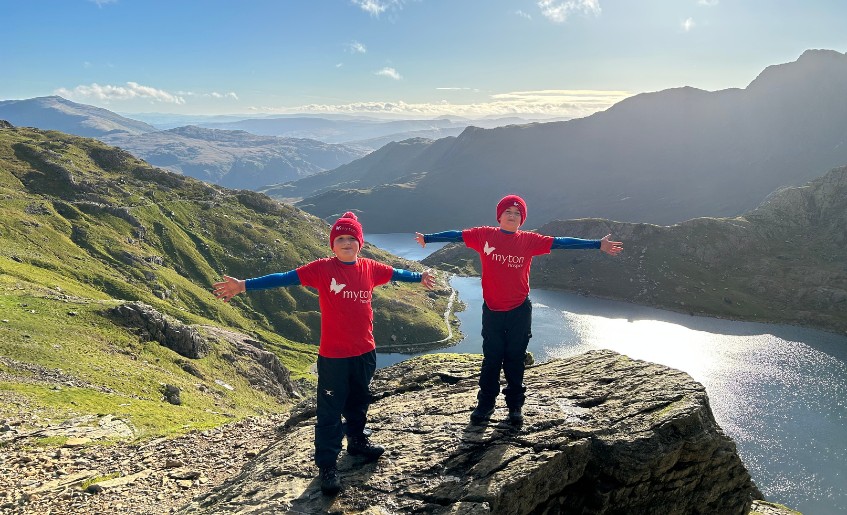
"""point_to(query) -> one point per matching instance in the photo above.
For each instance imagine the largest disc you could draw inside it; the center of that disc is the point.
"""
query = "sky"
(400, 58)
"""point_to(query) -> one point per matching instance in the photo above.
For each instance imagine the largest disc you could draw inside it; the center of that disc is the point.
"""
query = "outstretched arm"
(407, 276)
(231, 286)
(448, 236)
(613, 248)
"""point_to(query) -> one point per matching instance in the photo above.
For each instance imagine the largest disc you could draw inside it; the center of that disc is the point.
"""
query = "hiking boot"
(481, 414)
(515, 416)
(330, 484)
(362, 446)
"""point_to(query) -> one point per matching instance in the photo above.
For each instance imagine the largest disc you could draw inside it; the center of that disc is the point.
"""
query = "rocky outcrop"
(260, 367)
(156, 326)
(603, 434)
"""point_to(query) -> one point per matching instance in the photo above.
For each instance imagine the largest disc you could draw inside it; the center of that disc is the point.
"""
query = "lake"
(779, 391)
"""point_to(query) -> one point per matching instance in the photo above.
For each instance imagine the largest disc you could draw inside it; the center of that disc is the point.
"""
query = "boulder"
(166, 330)
(603, 433)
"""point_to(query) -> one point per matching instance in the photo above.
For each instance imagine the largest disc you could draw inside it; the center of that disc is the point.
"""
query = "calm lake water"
(779, 391)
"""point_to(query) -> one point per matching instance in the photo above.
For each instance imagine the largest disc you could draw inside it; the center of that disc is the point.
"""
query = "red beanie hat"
(509, 201)
(347, 224)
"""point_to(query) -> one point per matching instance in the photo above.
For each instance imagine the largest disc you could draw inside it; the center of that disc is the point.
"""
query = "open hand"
(420, 239)
(613, 248)
(229, 288)
(428, 280)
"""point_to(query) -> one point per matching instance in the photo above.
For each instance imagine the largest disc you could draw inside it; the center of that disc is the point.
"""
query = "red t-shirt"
(506, 258)
(344, 293)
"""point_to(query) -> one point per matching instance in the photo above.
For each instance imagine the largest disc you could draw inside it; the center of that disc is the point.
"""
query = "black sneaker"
(330, 484)
(481, 414)
(515, 417)
(362, 446)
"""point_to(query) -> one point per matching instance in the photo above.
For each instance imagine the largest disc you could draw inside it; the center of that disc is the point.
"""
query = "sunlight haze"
(400, 58)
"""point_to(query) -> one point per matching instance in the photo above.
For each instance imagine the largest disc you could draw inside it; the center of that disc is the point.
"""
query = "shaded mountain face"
(234, 159)
(781, 262)
(658, 157)
(56, 113)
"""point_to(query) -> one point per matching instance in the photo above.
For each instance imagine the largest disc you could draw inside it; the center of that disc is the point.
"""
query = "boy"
(506, 255)
(346, 355)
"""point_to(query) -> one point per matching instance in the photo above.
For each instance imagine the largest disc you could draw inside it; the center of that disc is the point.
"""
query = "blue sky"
(420, 58)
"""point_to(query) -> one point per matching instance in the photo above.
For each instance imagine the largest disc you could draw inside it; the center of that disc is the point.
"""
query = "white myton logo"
(503, 259)
(335, 286)
(362, 295)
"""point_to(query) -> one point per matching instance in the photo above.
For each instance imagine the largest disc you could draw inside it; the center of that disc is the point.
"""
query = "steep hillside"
(410, 155)
(234, 159)
(56, 113)
(783, 261)
(106, 266)
(661, 157)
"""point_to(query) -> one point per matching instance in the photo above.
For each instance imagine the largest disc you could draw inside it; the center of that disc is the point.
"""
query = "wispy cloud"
(354, 47)
(377, 7)
(708, 3)
(560, 10)
(212, 94)
(457, 89)
(389, 72)
(558, 103)
(523, 14)
(688, 24)
(231, 94)
(101, 3)
(131, 91)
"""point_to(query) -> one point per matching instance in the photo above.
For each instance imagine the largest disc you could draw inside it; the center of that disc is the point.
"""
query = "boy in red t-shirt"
(347, 355)
(506, 256)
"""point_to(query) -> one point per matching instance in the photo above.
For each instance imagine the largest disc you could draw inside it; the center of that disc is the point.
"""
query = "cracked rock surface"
(603, 433)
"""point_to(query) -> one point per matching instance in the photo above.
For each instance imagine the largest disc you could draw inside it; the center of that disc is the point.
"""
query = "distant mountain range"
(657, 157)
(782, 262)
(235, 159)
(370, 133)
(57, 114)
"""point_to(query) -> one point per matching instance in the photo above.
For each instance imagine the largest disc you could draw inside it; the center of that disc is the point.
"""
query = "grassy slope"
(87, 226)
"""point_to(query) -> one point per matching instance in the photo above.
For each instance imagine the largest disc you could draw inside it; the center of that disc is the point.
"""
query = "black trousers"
(505, 336)
(343, 389)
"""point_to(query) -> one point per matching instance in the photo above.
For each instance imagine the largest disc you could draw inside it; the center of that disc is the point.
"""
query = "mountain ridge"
(660, 157)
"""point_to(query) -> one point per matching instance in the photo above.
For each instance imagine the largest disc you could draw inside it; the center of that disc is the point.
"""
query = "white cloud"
(709, 3)
(377, 7)
(213, 94)
(354, 47)
(559, 103)
(231, 95)
(559, 10)
(131, 91)
(101, 3)
(523, 14)
(688, 24)
(389, 72)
